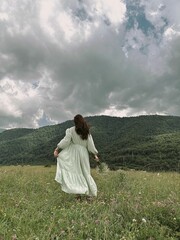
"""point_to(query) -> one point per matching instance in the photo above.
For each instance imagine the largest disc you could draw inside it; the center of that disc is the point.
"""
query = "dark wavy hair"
(81, 126)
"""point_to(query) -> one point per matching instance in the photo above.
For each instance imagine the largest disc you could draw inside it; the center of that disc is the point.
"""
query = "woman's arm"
(65, 141)
(91, 147)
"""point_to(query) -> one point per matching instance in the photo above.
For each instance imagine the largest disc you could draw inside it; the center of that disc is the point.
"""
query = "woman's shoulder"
(71, 129)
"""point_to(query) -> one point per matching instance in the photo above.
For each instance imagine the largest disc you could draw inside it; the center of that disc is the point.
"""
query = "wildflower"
(62, 232)
(134, 220)
(14, 237)
(144, 220)
(97, 221)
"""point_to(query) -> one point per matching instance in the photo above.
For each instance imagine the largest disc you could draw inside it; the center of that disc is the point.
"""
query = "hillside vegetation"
(144, 142)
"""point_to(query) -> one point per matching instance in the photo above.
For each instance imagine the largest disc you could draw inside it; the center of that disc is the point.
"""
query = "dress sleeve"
(66, 140)
(90, 145)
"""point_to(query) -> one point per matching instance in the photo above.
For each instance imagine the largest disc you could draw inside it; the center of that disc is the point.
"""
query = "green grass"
(130, 205)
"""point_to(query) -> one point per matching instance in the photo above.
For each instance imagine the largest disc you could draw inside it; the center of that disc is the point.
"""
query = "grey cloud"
(86, 76)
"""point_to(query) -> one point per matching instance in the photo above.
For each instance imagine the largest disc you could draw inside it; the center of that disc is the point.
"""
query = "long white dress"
(73, 168)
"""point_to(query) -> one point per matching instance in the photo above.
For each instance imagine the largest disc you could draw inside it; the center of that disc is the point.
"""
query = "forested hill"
(144, 142)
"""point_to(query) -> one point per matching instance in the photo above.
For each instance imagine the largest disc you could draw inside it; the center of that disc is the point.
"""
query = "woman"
(73, 168)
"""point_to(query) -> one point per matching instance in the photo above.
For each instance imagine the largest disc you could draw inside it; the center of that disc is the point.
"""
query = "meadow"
(130, 205)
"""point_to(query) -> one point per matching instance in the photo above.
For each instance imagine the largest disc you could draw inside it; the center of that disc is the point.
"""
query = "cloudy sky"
(94, 57)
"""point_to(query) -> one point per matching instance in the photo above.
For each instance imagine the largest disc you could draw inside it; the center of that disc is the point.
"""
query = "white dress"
(73, 168)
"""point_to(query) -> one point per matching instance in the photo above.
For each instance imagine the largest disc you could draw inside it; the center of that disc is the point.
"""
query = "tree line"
(145, 142)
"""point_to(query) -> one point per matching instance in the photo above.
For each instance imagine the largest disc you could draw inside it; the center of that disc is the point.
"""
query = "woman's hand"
(56, 152)
(96, 158)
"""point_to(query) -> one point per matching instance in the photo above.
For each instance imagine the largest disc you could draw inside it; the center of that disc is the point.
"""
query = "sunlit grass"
(130, 205)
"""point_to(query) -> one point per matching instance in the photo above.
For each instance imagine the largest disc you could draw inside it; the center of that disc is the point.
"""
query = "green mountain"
(144, 142)
(15, 133)
(2, 130)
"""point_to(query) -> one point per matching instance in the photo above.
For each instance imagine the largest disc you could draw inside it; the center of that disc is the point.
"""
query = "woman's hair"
(81, 126)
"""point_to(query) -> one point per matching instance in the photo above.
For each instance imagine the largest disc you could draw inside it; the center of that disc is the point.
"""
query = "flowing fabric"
(73, 168)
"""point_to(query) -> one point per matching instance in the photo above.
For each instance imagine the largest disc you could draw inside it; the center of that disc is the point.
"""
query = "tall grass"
(130, 205)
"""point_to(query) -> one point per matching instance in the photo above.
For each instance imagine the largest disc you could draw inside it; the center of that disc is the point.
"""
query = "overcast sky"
(93, 57)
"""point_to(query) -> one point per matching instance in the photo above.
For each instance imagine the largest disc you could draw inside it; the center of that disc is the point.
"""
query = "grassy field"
(130, 205)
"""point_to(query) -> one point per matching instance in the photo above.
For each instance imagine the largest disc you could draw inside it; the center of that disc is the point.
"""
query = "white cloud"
(18, 99)
(46, 13)
(3, 16)
(63, 25)
(67, 25)
(170, 33)
(114, 10)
